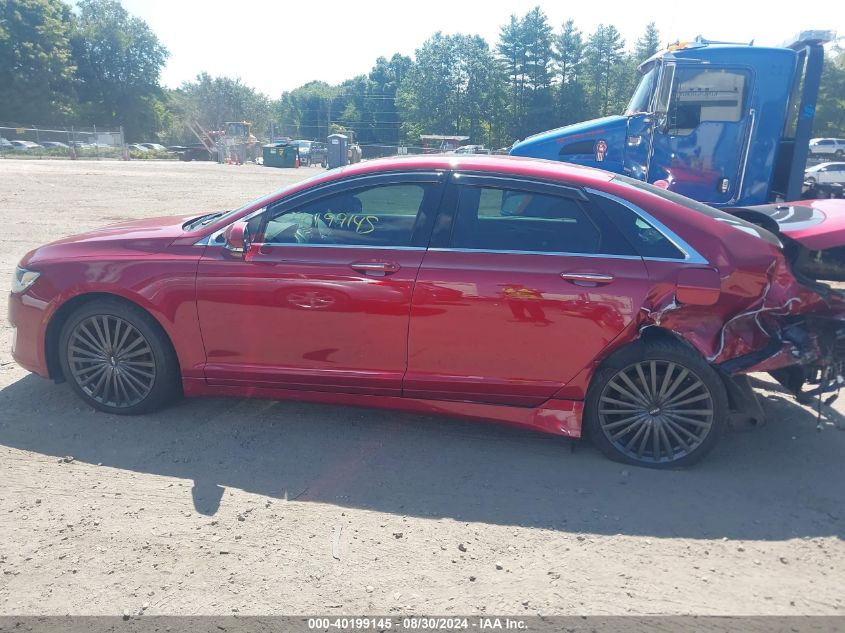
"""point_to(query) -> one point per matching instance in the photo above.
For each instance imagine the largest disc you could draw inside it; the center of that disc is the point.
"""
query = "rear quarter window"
(646, 239)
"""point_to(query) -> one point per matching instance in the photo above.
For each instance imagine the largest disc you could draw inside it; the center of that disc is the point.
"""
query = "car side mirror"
(237, 238)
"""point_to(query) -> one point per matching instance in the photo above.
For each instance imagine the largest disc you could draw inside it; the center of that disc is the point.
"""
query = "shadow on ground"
(778, 482)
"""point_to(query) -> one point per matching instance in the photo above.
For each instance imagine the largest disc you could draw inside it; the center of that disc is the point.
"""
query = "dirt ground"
(254, 507)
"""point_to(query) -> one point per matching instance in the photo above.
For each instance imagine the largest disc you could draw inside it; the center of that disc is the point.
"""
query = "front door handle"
(587, 279)
(376, 269)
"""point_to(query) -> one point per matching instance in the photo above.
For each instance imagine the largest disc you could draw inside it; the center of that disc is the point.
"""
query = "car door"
(321, 299)
(824, 175)
(524, 284)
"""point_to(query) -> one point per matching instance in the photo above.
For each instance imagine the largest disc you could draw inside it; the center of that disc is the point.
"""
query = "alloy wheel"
(656, 411)
(111, 360)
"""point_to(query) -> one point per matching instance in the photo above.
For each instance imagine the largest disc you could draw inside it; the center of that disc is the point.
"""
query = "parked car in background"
(136, 147)
(5, 144)
(472, 149)
(154, 146)
(825, 173)
(827, 147)
(53, 144)
(311, 152)
(25, 146)
(548, 296)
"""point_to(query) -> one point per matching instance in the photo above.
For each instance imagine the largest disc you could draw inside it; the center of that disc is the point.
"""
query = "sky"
(278, 45)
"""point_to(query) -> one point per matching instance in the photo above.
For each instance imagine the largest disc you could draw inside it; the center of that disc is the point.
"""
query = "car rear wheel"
(656, 404)
(839, 153)
(117, 358)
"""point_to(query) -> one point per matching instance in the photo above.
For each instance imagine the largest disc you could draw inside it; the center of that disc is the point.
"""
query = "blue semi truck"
(721, 123)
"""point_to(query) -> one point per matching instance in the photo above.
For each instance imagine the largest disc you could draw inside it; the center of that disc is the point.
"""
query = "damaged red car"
(538, 294)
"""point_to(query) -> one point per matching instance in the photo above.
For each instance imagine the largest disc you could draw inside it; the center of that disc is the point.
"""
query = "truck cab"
(725, 124)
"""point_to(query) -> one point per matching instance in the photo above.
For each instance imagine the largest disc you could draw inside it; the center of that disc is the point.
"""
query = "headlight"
(23, 279)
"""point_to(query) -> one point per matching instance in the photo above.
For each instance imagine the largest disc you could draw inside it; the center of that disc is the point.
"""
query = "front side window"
(382, 215)
(706, 95)
(501, 219)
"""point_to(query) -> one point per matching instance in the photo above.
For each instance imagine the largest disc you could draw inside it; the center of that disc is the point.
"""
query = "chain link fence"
(18, 141)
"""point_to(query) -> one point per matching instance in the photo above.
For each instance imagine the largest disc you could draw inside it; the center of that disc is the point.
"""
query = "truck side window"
(706, 95)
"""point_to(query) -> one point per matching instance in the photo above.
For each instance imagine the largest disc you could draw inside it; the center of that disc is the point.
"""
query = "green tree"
(36, 69)
(603, 57)
(830, 106)
(525, 51)
(306, 111)
(119, 61)
(568, 49)
(453, 87)
(648, 44)
(213, 101)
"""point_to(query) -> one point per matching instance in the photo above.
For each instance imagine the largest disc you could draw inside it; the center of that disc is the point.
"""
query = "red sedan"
(527, 292)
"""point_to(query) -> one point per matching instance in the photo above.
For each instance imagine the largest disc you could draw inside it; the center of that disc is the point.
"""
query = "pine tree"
(648, 44)
(603, 53)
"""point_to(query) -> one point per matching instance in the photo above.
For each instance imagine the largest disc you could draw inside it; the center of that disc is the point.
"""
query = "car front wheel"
(656, 404)
(117, 358)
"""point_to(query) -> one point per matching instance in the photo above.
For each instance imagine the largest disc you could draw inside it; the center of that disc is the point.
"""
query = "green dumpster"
(280, 155)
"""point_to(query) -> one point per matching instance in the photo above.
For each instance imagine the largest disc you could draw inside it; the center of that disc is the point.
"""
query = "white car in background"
(26, 145)
(827, 147)
(825, 173)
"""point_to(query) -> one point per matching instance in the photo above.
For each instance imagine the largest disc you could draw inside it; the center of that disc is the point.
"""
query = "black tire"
(839, 153)
(134, 367)
(811, 181)
(673, 424)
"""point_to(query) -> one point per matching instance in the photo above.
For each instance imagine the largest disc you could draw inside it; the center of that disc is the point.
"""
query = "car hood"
(144, 236)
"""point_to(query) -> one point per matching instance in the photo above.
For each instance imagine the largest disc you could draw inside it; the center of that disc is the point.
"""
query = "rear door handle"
(376, 269)
(587, 279)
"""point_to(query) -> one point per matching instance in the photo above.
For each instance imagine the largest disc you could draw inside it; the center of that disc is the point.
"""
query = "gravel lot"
(254, 507)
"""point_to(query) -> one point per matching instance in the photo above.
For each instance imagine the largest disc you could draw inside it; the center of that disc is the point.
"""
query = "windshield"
(204, 220)
(642, 95)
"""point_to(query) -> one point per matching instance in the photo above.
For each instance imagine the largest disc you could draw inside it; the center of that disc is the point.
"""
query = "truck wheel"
(117, 358)
(656, 404)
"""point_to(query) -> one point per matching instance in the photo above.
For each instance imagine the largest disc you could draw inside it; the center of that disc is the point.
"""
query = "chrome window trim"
(359, 246)
(506, 252)
(691, 256)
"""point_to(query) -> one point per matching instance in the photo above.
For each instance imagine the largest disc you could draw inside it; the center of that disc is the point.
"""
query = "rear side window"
(501, 219)
(644, 237)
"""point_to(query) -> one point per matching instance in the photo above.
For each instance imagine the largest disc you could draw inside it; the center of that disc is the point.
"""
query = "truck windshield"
(642, 95)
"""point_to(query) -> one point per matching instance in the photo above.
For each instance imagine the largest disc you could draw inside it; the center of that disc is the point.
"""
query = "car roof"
(827, 164)
(511, 165)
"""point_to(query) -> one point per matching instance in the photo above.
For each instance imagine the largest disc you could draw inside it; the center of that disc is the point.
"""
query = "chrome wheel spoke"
(643, 381)
(640, 396)
(631, 396)
(630, 406)
(699, 397)
(111, 361)
(655, 411)
(667, 377)
(682, 418)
